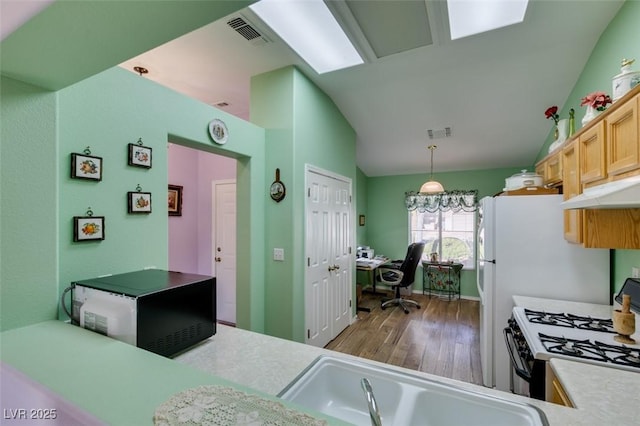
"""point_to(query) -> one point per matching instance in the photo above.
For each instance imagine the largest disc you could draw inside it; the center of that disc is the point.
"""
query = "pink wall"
(190, 234)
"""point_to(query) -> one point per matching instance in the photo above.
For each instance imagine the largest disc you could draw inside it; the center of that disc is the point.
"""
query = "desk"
(370, 266)
(442, 278)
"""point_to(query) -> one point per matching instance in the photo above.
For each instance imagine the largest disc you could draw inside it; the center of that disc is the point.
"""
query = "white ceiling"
(492, 89)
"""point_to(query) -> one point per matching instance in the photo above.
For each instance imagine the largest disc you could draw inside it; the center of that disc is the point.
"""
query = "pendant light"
(431, 186)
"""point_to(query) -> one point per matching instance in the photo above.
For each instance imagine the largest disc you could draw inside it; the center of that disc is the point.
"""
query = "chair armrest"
(394, 264)
(399, 275)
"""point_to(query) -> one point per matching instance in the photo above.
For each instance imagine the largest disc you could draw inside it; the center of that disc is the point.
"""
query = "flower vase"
(560, 133)
(563, 130)
(589, 115)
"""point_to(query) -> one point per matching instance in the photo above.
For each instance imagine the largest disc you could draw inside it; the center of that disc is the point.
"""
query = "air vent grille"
(248, 31)
(439, 133)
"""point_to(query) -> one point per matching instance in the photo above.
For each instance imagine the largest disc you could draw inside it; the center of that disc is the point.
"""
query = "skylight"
(468, 17)
(309, 28)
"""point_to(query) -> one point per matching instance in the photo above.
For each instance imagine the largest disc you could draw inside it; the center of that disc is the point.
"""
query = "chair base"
(399, 301)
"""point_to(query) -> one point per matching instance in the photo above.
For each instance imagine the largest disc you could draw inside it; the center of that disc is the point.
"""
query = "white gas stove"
(576, 338)
(533, 336)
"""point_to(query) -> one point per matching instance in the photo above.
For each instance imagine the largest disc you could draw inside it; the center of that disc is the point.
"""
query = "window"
(450, 234)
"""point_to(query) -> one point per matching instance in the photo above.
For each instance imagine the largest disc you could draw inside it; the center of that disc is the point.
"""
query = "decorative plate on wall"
(218, 131)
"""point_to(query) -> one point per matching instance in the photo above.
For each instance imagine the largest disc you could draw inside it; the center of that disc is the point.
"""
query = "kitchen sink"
(332, 386)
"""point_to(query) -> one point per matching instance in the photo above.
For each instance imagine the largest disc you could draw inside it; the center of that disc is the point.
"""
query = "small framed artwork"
(361, 220)
(88, 228)
(139, 202)
(139, 156)
(85, 166)
(175, 200)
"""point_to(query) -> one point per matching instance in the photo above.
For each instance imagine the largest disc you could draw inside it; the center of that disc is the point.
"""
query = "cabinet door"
(541, 169)
(553, 169)
(592, 154)
(623, 145)
(571, 188)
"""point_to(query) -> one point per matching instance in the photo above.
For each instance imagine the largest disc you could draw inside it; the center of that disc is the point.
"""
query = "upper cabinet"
(604, 150)
(593, 167)
(571, 187)
(623, 145)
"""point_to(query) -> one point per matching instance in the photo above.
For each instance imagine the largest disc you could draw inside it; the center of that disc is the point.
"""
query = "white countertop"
(246, 360)
(610, 396)
(268, 364)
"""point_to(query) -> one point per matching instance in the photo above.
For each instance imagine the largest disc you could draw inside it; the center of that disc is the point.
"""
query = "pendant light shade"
(431, 186)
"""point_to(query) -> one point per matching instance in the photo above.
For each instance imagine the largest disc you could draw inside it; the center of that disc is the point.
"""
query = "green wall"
(388, 219)
(619, 40)
(361, 208)
(28, 201)
(106, 112)
(305, 128)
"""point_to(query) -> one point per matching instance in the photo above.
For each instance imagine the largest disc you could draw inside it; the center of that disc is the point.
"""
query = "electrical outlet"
(635, 272)
(278, 254)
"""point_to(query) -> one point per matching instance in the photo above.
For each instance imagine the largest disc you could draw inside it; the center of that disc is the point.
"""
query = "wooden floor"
(440, 338)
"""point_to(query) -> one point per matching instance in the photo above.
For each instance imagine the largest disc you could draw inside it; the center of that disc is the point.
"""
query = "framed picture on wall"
(88, 228)
(85, 166)
(175, 200)
(139, 202)
(139, 156)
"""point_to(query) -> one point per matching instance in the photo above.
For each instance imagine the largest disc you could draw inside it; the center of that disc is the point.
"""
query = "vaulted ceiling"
(490, 89)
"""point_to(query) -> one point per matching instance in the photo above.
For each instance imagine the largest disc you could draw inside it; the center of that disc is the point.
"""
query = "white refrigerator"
(522, 251)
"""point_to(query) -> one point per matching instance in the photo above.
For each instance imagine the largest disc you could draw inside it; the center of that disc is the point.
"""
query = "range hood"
(620, 194)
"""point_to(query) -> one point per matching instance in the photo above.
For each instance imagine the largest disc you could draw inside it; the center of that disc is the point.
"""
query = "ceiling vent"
(247, 30)
(439, 133)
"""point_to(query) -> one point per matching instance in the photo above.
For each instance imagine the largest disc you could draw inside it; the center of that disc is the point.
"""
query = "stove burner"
(570, 349)
(620, 354)
(570, 321)
(633, 358)
(548, 318)
(578, 348)
(590, 323)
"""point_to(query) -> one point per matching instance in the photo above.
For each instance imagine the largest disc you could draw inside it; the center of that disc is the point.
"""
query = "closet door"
(329, 260)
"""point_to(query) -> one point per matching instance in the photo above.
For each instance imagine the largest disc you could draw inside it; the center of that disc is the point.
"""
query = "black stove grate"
(594, 350)
(570, 321)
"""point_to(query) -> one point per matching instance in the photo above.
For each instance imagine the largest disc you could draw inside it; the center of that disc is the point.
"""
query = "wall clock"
(218, 131)
(277, 190)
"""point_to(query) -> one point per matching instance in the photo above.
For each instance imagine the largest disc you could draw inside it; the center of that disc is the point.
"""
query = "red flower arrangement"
(552, 112)
(596, 100)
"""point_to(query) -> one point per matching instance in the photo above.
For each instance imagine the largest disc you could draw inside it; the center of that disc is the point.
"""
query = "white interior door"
(329, 261)
(224, 249)
(342, 263)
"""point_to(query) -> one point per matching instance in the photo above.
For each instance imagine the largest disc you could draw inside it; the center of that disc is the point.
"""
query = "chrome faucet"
(374, 413)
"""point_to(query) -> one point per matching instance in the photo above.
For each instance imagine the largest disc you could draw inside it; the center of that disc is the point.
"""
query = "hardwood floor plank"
(440, 338)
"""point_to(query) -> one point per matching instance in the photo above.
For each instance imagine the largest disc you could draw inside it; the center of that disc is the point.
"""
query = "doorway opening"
(195, 245)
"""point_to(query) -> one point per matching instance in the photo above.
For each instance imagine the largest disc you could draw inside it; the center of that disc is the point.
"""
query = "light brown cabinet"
(571, 187)
(623, 145)
(592, 155)
(558, 394)
(550, 168)
(604, 150)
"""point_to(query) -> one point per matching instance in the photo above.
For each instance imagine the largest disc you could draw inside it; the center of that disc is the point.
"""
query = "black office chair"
(401, 274)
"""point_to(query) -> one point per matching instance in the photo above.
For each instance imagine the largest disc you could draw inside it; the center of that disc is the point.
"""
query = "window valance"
(455, 200)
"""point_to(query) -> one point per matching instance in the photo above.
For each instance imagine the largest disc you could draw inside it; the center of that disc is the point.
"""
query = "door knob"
(330, 268)
(218, 259)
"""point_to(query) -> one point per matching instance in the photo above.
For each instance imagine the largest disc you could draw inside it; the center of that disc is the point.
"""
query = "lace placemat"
(219, 405)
